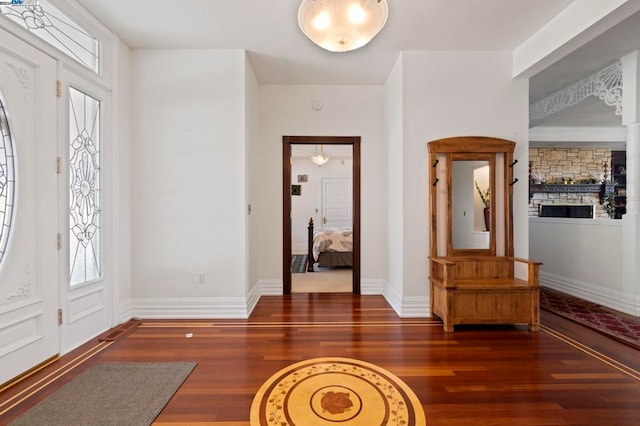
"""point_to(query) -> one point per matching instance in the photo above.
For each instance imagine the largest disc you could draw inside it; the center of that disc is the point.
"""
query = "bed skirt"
(335, 258)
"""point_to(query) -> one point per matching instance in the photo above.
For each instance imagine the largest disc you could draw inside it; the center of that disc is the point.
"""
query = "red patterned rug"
(620, 326)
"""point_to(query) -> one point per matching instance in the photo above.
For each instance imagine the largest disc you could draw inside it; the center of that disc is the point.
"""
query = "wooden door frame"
(287, 141)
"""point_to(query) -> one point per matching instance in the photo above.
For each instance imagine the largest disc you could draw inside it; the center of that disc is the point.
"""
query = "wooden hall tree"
(473, 276)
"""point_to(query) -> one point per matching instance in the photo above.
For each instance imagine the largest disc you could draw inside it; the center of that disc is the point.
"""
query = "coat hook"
(514, 181)
(436, 181)
(435, 163)
(513, 164)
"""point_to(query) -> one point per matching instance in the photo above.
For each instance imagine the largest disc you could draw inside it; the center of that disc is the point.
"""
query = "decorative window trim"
(606, 84)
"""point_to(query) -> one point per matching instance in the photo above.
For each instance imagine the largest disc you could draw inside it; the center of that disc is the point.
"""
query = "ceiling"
(280, 53)
(594, 56)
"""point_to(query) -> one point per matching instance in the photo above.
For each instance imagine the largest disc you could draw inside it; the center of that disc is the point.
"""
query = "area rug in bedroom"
(111, 394)
(298, 263)
(331, 391)
(620, 326)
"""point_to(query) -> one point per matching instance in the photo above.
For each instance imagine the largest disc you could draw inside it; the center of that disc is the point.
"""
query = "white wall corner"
(270, 287)
(393, 298)
(123, 312)
(370, 286)
(623, 302)
(214, 308)
(253, 297)
(415, 307)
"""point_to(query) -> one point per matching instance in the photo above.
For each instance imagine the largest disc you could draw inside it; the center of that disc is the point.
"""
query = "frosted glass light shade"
(319, 158)
(342, 25)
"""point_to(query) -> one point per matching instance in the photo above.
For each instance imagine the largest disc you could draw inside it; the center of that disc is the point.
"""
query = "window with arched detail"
(7, 179)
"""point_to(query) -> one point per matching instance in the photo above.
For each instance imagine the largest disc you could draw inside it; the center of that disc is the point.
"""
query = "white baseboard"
(416, 307)
(241, 308)
(370, 286)
(219, 308)
(408, 307)
(124, 312)
(623, 302)
(270, 287)
(252, 298)
(393, 299)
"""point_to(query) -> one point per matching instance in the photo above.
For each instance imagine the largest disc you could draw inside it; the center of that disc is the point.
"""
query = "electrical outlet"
(200, 278)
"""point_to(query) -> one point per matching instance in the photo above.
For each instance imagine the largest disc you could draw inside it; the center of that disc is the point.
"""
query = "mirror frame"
(473, 147)
(490, 158)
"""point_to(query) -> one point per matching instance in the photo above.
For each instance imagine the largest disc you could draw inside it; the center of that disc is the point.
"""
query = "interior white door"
(337, 202)
(28, 273)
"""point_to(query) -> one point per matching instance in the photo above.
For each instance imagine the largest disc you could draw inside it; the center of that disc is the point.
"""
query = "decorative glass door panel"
(84, 188)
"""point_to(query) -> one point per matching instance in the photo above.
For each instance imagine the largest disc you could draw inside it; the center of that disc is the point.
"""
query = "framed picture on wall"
(302, 178)
(296, 189)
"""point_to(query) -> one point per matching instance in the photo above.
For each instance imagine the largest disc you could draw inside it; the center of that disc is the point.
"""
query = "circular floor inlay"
(335, 391)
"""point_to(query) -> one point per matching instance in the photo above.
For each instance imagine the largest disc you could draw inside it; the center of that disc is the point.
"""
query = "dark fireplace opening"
(573, 211)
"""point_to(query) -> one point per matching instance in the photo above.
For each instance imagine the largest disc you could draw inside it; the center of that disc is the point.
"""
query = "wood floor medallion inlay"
(329, 391)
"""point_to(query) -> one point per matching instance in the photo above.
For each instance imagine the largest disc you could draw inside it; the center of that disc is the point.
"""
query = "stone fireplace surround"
(579, 164)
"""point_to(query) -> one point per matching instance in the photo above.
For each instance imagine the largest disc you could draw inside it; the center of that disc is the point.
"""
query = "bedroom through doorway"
(321, 220)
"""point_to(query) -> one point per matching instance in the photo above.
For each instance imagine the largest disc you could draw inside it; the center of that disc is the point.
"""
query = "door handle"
(324, 220)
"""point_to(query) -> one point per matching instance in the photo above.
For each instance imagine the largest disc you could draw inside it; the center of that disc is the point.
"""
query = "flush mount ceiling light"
(342, 25)
(319, 158)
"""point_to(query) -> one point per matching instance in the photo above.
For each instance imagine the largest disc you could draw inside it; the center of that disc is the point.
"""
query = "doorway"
(288, 141)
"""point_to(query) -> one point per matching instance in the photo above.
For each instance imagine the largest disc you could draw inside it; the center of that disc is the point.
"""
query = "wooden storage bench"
(483, 290)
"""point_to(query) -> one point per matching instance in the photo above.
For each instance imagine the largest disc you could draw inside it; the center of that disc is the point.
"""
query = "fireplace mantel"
(604, 189)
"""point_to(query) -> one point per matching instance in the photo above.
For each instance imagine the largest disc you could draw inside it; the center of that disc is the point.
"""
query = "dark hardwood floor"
(563, 375)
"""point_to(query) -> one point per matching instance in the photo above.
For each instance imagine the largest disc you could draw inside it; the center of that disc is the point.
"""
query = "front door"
(28, 206)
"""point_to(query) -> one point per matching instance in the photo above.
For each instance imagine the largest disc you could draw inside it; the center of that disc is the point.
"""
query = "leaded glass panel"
(57, 29)
(7, 180)
(84, 187)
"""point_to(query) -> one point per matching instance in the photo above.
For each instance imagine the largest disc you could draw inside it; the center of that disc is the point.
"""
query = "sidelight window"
(84, 187)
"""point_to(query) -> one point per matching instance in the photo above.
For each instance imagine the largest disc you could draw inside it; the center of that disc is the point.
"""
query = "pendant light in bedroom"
(319, 158)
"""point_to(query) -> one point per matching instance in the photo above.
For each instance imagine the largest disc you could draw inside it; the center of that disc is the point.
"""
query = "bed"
(330, 247)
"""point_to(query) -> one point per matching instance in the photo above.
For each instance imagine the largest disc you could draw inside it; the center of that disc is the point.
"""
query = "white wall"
(122, 188)
(348, 111)
(252, 138)
(188, 178)
(393, 118)
(582, 257)
(449, 94)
